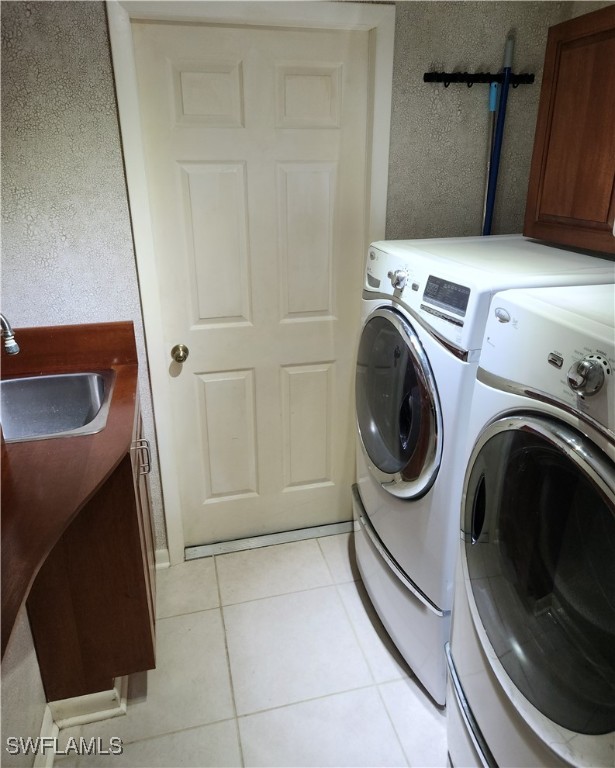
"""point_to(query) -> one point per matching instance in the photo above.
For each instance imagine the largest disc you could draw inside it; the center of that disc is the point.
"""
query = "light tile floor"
(271, 657)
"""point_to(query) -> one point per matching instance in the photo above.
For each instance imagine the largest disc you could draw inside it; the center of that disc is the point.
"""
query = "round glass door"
(539, 525)
(398, 414)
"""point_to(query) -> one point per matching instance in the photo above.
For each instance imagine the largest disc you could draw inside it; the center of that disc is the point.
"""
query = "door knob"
(180, 353)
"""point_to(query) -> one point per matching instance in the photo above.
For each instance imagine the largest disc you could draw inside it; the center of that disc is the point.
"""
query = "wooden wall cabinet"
(92, 605)
(571, 194)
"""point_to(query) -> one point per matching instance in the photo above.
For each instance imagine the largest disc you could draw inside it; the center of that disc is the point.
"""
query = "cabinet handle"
(142, 446)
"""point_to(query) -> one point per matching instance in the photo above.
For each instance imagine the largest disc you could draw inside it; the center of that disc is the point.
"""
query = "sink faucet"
(11, 346)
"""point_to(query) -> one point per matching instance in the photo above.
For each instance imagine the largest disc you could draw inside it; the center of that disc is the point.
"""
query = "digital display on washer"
(443, 293)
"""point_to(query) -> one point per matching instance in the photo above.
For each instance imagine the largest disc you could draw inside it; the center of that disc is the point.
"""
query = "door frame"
(377, 20)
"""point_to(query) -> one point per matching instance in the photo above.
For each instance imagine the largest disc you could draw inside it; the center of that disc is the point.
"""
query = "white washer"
(532, 653)
(425, 305)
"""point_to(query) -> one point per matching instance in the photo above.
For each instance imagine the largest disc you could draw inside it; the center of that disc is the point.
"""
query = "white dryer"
(532, 653)
(425, 306)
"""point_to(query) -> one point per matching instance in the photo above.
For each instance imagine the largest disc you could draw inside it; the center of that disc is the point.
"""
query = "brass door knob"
(180, 353)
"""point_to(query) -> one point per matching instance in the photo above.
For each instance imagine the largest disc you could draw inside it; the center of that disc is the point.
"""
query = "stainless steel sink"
(62, 405)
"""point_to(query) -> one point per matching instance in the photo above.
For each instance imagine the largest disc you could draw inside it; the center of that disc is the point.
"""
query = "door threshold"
(268, 540)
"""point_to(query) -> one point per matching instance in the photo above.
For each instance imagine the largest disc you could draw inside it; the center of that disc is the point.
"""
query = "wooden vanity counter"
(45, 483)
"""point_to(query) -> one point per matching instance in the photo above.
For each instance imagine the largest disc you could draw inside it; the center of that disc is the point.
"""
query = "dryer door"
(539, 524)
(398, 413)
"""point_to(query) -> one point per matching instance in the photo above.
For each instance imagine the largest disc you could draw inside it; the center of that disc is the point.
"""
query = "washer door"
(398, 413)
(539, 525)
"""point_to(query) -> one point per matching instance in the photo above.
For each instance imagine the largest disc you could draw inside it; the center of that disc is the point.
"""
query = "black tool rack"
(469, 78)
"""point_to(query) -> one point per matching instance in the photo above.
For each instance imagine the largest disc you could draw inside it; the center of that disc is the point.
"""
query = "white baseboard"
(79, 710)
(162, 558)
(224, 547)
(49, 730)
(92, 707)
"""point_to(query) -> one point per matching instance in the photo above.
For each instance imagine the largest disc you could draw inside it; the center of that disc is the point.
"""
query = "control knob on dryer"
(586, 376)
(398, 279)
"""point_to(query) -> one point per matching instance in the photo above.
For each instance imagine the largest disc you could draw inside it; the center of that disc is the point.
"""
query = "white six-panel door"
(255, 146)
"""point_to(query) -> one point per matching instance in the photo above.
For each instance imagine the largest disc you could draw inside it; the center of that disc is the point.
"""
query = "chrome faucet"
(11, 346)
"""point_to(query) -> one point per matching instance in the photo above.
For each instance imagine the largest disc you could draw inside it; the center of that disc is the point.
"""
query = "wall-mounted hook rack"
(469, 78)
(499, 85)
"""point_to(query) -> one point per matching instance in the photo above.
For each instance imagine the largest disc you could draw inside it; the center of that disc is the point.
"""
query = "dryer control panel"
(439, 302)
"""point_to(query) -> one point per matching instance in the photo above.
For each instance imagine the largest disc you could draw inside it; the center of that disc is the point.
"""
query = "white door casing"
(271, 326)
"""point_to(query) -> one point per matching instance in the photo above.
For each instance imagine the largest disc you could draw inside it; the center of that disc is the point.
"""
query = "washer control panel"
(586, 376)
(559, 342)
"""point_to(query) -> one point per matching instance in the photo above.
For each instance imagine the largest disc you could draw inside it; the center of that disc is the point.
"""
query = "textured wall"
(67, 253)
(439, 135)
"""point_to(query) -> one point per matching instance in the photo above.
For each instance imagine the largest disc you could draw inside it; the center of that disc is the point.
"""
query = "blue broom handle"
(499, 135)
(493, 105)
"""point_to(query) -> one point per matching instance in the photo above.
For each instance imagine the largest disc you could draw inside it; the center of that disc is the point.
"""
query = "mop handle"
(493, 105)
(499, 133)
(508, 52)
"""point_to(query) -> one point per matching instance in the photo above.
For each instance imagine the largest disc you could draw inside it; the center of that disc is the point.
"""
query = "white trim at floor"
(224, 547)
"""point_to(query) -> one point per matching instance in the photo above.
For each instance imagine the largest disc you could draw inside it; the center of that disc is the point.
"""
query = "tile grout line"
(282, 594)
(376, 684)
(352, 625)
(228, 664)
(327, 565)
(356, 635)
(390, 717)
(221, 604)
(355, 632)
(330, 582)
(189, 611)
(308, 701)
(180, 730)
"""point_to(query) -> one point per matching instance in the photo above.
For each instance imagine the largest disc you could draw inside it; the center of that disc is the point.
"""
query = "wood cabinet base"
(90, 606)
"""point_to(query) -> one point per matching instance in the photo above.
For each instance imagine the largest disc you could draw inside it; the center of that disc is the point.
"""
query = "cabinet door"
(90, 606)
(571, 194)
